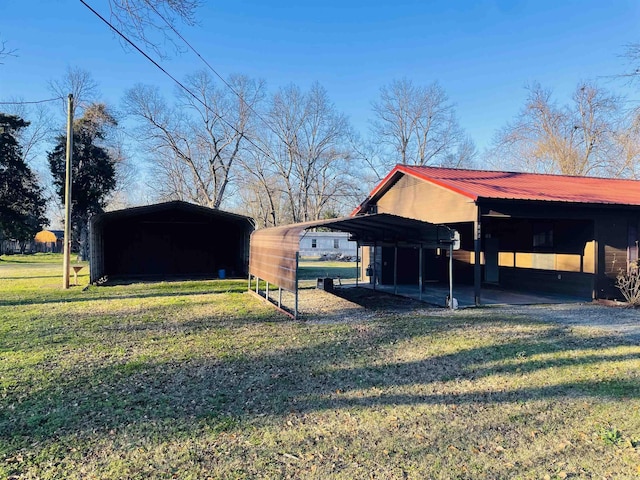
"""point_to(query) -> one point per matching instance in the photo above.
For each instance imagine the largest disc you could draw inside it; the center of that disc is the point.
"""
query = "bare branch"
(153, 22)
(5, 51)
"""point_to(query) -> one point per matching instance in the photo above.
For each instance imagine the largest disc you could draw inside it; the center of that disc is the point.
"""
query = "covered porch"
(436, 294)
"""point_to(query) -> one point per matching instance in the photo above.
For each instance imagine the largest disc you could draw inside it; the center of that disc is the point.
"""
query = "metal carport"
(274, 252)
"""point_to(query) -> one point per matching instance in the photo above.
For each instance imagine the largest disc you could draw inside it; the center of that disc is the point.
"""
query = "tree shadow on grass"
(341, 370)
(379, 301)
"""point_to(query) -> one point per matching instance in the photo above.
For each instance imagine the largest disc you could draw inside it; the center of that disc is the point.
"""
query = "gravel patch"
(359, 304)
(614, 320)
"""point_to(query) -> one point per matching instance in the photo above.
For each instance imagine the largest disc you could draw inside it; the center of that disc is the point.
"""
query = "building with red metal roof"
(553, 233)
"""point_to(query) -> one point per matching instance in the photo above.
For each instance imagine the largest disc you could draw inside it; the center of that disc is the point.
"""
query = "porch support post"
(451, 276)
(375, 270)
(596, 256)
(477, 268)
(357, 262)
(420, 274)
(395, 269)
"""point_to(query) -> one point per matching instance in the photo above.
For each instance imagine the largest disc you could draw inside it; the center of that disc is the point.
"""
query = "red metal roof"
(478, 184)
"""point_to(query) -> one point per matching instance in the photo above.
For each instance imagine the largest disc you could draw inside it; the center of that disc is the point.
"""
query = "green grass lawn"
(311, 269)
(196, 380)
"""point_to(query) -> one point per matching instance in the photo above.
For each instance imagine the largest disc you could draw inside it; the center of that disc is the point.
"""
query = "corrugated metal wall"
(273, 255)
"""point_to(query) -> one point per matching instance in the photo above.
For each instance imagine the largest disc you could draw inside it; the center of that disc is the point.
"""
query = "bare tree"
(574, 139)
(39, 130)
(78, 82)
(417, 125)
(626, 163)
(261, 189)
(308, 162)
(196, 143)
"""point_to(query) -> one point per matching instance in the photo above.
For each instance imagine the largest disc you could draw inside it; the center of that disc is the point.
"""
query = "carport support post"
(295, 309)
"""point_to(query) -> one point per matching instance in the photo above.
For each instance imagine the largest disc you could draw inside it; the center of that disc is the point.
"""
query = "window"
(336, 243)
(314, 243)
(543, 235)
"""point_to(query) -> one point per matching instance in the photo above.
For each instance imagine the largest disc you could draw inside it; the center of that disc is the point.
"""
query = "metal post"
(249, 288)
(67, 195)
(295, 310)
(451, 276)
(395, 270)
(266, 294)
(477, 246)
(257, 285)
(357, 262)
(375, 270)
(420, 279)
(279, 297)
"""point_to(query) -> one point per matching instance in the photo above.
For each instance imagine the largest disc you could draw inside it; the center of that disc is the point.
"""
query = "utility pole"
(67, 195)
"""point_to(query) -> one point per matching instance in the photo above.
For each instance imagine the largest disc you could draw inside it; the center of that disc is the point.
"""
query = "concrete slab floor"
(436, 294)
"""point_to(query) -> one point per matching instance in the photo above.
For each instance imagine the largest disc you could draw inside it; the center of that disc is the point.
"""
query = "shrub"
(629, 284)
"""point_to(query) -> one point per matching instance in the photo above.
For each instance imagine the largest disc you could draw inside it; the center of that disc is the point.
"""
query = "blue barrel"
(222, 274)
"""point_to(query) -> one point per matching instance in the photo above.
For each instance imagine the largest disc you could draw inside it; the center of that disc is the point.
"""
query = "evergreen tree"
(93, 172)
(22, 204)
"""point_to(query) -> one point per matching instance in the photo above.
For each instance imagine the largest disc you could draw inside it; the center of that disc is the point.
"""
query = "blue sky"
(482, 52)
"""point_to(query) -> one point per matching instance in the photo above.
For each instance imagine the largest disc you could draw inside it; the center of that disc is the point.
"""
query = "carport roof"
(178, 205)
(273, 250)
(385, 228)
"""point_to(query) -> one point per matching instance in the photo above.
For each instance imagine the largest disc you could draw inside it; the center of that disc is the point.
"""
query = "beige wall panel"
(543, 261)
(524, 260)
(589, 265)
(568, 263)
(418, 199)
(506, 259)
(365, 259)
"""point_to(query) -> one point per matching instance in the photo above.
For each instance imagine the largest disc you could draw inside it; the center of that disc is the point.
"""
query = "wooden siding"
(566, 283)
(612, 252)
(414, 198)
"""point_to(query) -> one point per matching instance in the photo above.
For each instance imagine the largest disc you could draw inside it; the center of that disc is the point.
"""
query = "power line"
(180, 84)
(32, 102)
